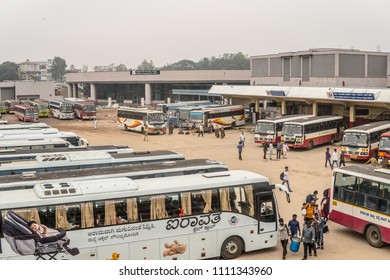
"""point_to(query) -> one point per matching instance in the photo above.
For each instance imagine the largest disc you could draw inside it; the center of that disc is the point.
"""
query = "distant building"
(35, 70)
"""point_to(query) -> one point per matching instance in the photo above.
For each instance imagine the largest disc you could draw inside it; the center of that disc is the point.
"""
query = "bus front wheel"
(332, 140)
(374, 236)
(232, 248)
(311, 145)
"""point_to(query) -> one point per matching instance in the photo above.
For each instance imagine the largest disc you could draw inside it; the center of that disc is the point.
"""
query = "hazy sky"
(95, 32)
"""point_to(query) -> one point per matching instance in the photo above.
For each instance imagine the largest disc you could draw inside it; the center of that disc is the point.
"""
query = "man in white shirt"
(335, 158)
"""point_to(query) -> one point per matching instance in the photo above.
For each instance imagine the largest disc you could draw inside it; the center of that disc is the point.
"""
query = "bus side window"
(144, 208)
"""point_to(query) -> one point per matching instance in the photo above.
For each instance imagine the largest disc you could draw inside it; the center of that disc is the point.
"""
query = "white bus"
(312, 131)
(362, 142)
(20, 154)
(62, 110)
(131, 171)
(82, 160)
(360, 200)
(270, 130)
(32, 144)
(136, 119)
(71, 137)
(28, 132)
(30, 126)
(209, 215)
(225, 116)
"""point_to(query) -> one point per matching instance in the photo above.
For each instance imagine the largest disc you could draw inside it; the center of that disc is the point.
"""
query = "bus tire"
(126, 127)
(332, 140)
(374, 236)
(142, 130)
(233, 125)
(311, 145)
(232, 248)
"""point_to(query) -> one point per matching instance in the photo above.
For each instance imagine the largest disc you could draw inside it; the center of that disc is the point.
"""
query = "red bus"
(26, 113)
(85, 110)
(312, 131)
(362, 142)
(10, 105)
(384, 147)
(360, 200)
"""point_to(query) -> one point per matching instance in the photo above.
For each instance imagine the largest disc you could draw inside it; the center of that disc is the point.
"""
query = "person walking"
(222, 132)
(242, 139)
(342, 159)
(217, 131)
(271, 147)
(210, 127)
(284, 150)
(239, 148)
(286, 179)
(284, 236)
(201, 130)
(327, 158)
(308, 238)
(321, 224)
(294, 226)
(146, 133)
(335, 158)
(95, 123)
(278, 149)
(265, 149)
(324, 206)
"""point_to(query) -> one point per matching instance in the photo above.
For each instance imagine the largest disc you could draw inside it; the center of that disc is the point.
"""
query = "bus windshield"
(196, 116)
(265, 128)
(43, 106)
(292, 129)
(89, 108)
(156, 118)
(384, 144)
(30, 112)
(66, 108)
(355, 139)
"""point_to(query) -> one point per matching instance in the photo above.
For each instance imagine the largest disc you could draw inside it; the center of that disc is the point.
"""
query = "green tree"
(146, 65)
(58, 69)
(8, 71)
(121, 67)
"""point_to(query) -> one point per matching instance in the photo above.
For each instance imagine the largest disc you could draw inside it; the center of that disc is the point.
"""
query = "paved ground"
(306, 168)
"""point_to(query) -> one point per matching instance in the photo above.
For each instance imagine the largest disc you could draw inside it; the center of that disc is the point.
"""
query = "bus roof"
(31, 142)
(38, 135)
(370, 127)
(139, 110)
(178, 167)
(25, 126)
(367, 171)
(28, 131)
(314, 119)
(88, 190)
(219, 108)
(284, 118)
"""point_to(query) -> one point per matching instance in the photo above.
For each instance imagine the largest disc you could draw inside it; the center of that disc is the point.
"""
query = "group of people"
(281, 150)
(338, 160)
(312, 233)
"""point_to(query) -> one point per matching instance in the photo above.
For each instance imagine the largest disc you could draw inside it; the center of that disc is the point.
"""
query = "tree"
(58, 69)
(8, 71)
(121, 67)
(146, 65)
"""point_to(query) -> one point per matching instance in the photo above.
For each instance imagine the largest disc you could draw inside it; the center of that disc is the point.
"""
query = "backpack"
(282, 175)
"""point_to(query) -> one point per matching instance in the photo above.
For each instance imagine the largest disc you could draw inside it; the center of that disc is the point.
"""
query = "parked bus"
(270, 130)
(10, 105)
(131, 171)
(135, 119)
(15, 154)
(31, 144)
(26, 113)
(384, 147)
(3, 107)
(166, 107)
(312, 131)
(209, 215)
(82, 160)
(85, 110)
(43, 108)
(362, 142)
(62, 110)
(30, 126)
(360, 200)
(71, 137)
(225, 116)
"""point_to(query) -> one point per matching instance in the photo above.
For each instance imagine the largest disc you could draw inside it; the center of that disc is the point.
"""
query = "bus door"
(266, 213)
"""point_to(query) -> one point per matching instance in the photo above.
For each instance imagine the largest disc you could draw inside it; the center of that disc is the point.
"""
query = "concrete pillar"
(168, 100)
(264, 104)
(352, 116)
(142, 101)
(74, 91)
(315, 109)
(148, 94)
(93, 92)
(230, 101)
(256, 114)
(70, 92)
(284, 108)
